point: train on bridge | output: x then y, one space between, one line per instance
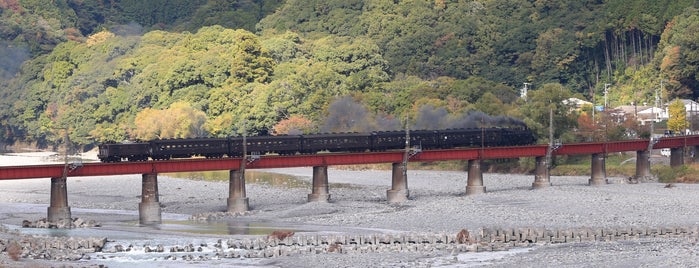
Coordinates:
164 149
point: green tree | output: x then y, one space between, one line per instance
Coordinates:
490 105
678 57
550 97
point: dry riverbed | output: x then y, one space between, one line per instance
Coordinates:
358 208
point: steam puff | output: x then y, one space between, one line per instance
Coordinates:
347 115
11 58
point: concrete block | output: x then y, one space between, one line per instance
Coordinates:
370 240
653 231
484 248
587 238
530 239
354 239
668 230
564 233
558 239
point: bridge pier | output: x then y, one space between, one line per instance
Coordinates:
474 183
676 156
399 185
542 178
59 210
237 201
320 192
695 154
149 208
598 170
643 165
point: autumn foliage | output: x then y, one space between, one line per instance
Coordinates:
296 124
178 121
11 5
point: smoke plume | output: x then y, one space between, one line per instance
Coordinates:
130 29
11 58
347 115
429 117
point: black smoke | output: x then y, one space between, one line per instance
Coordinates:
429 117
347 115
386 122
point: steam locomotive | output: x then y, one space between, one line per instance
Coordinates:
164 149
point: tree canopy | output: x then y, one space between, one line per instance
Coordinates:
110 70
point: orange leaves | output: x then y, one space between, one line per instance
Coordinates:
98 38
671 58
296 124
11 5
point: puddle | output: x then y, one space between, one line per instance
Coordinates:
123 224
475 259
218 228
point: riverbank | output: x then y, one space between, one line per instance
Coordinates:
358 207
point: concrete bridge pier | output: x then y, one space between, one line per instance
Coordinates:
695 154
149 208
399 185
643 165
237 201
542 177
474 183
598 170
59 210
320 192
676 157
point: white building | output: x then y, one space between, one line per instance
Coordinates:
651 114
578 103
645 114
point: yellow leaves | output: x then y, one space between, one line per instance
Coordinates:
178 121
221 125
440 4
678 116
98 38
147 124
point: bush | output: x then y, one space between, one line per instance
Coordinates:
684 173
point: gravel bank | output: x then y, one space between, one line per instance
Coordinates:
437 205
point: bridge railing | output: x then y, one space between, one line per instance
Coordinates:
330 159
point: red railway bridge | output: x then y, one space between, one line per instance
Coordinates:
149 208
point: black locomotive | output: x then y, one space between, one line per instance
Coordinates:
164 149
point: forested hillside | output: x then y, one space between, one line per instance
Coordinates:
111 70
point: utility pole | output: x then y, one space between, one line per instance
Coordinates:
406 155
244 160
523 91
549 150
66 142
606 90
662 88
657 101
